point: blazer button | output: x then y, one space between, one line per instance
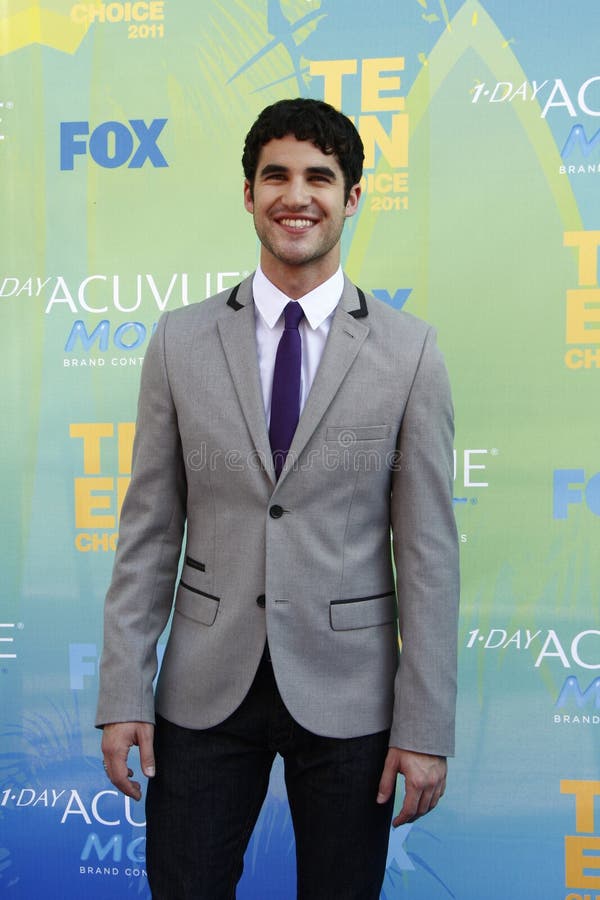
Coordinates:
260 601
276 511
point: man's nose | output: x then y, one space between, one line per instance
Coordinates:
296 194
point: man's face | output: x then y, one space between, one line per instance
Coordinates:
298 206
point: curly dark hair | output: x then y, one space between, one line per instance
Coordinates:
308 120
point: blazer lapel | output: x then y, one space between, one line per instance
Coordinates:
347 333
238 336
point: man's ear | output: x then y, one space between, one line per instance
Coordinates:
352 201
248 199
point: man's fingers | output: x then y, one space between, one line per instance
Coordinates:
418 802
424 782
117 740
120 775
409 808
415 805
129 788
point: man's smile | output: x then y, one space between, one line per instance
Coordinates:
296 224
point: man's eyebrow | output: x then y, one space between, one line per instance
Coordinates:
276 168
321 170
271 168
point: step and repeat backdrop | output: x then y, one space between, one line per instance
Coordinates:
121 127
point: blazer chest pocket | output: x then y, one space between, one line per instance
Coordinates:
192 599
363 612
347 435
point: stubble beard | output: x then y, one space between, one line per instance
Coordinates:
292 255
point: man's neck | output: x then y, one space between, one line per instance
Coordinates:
297 281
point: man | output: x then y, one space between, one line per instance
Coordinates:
285 627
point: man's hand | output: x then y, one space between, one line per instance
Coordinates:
424 782
117 739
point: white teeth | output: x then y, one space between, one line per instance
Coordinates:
296 223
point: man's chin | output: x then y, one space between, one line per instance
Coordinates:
295 257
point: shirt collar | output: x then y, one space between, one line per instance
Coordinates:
318 304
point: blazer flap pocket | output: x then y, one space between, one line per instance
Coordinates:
194 575
347 435
195 604
363 612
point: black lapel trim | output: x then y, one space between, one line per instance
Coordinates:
232 302
362 310
359 313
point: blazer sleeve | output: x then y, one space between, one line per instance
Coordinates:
427 566
140 596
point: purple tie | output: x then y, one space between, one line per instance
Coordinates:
285 398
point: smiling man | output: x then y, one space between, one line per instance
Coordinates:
287 615
299 201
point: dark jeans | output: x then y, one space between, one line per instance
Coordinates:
210 785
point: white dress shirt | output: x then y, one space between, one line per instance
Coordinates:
318 305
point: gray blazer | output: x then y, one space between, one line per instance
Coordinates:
306 561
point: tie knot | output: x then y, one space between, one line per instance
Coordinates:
293 313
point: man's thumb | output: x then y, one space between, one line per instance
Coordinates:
147 756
